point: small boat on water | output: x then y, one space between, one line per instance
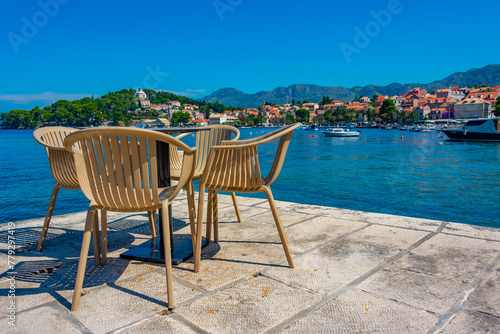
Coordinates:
340 132
420 129
312 127
485 129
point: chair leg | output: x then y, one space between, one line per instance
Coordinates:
209 215
45 227
199 228
192 211
167 253
104 237
194 203
235 203
97 247
152 223
279 225
215 215
84 252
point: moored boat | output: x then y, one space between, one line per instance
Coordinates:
312 127
485 129
340 132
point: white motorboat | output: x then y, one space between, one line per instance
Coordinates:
484 129
340 132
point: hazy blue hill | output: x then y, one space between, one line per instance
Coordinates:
488 75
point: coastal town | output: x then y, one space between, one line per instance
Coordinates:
458 103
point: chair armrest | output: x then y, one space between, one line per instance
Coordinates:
182 135
49 146
187 171
266 138
53 137
239 142
233 167
240 157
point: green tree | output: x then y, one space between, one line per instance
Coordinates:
413 116
388 110
180 117
326 100
149 93
302 115
497 108
329 116
133 106
14 119
289 118
242 117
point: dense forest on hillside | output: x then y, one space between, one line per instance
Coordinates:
114 106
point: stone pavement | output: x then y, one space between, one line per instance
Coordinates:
355 272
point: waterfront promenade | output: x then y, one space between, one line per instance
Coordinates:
355 272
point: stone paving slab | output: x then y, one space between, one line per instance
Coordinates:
109 308
158 324
389 236
457 258
45 319
287 217
469 322
486 298
354 272
426 292
252 306
473 231
221 267
357 312
237 232
398 221
333 266
311 233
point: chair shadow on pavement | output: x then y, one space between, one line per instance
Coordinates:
53 270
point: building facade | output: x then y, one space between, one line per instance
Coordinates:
473 108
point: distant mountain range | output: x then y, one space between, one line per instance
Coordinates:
488 75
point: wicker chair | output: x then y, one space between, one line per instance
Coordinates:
233 166
63 170
62 167
204 141
117 171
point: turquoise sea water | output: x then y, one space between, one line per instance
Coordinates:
421 176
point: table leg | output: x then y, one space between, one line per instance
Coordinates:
181 245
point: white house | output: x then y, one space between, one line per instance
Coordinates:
145 103
174 104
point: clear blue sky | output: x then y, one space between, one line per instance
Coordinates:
195 47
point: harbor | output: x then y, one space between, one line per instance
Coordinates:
422 176
354 271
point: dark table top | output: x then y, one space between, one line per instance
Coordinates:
170 131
